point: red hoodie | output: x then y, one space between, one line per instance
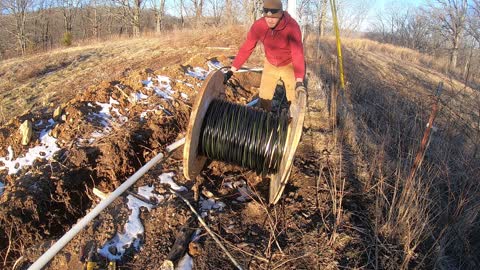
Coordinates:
283 44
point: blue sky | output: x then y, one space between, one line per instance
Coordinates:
379 4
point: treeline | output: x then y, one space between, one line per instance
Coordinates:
32 25
441 28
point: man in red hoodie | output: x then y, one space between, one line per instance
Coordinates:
282 41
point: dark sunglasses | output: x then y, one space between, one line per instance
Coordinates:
271 10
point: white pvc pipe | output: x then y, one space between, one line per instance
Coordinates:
53 250
175 145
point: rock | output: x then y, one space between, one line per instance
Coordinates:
26 131
64 118
57 113
54 133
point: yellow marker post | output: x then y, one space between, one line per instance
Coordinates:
333 5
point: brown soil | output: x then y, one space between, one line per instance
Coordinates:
326 218
42 202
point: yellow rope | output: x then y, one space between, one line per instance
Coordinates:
333 5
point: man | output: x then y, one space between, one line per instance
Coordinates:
282 41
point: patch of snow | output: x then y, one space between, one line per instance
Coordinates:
137 97
184 96
162 87
197 72
46 149
2 187
214 65
132 230
209 204
51 122
167 178
185 263
242 188
185 83
147 192
148 83
144 114
104 116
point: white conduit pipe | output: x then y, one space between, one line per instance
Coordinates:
53 250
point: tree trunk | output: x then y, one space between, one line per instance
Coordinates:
159 13
136 18
229 11
95 27
323 15
454 54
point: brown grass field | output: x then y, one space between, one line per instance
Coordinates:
351 203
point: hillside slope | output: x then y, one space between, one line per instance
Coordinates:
348 203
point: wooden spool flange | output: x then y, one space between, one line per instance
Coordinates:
213 88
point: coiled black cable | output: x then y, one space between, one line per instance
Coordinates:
244 136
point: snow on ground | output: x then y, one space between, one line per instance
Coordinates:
185 263
161 85
167 178
104 117
242 188
133 229
197 72
45 150
200 73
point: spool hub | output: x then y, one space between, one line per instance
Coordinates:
213 88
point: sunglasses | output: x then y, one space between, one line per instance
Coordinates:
271 10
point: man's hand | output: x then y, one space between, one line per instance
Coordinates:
227 76
300 87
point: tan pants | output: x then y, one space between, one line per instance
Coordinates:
271 74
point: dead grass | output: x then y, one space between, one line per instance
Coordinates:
430 221
49 79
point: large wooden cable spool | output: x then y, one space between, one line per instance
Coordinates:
213 88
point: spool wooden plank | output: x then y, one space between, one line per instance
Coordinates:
279 180
212 88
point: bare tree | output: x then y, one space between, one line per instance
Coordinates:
322 16
132 9
92 14
19 9
451 18
180 5
198 9
229 12
69 9
352 14
217 10
159 14
474 20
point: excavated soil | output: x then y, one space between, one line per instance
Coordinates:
109 131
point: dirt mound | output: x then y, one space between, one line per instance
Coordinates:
103 135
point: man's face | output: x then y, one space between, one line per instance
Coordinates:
272 22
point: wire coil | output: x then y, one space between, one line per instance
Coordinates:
244 136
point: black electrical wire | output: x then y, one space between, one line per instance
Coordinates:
248 137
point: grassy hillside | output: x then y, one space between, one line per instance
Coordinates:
52 78
430 220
